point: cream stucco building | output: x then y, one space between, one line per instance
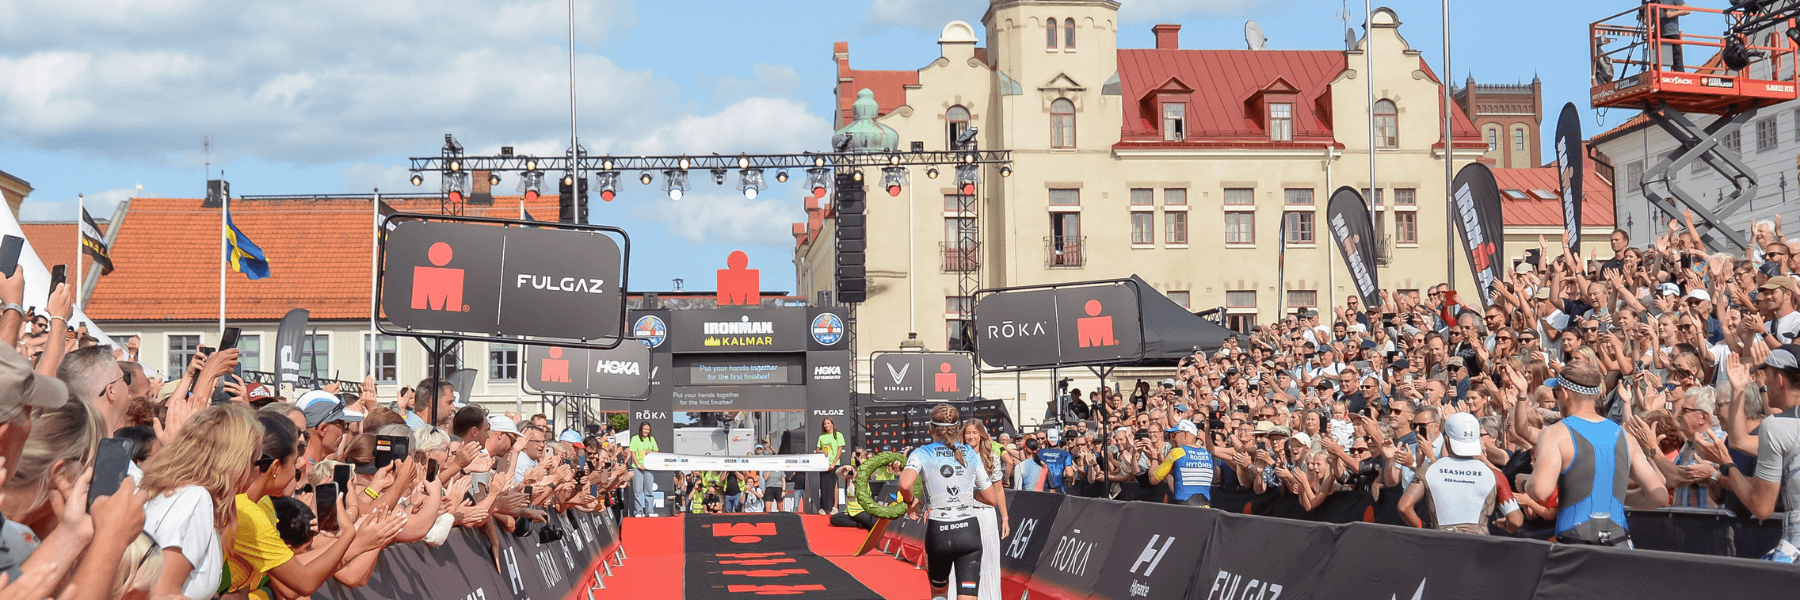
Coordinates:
1179 166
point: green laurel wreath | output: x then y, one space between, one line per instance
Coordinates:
865 498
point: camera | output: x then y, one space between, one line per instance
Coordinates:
1063 384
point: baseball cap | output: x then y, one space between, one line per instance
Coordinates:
1782 282
1053 434
1699 294
1668 289
1281 430
1785 358
1464 432
1184 426
1368 345
21 387
1455 361
1402 364
1263 428
1181 408
574 439
1302 438
1543 293
321 407
1524 267
502 424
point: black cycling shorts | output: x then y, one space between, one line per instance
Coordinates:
958 544
772 494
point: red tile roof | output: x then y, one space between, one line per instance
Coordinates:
54 243
1629 125
1224 84
167 258
1597 198
889 86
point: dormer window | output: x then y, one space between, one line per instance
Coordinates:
1174 121
1281 122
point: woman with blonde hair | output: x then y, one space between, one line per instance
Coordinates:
975 435
191 484
953 486
56 459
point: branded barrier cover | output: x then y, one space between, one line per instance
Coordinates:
897 426
464 566
1073 547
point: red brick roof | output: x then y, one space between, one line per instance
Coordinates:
54 243
167 258
889 86
1596 207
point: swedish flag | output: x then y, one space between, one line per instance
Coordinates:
246 256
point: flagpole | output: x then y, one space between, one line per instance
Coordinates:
374 259
224 250
80 211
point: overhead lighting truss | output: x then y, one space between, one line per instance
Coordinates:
657 164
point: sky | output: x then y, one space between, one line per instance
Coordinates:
98 97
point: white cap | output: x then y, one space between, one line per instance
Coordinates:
1700 294
1463 431
502 424
1186 426
1303 439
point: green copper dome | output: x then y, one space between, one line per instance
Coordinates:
863 133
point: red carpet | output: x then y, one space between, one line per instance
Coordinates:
656 563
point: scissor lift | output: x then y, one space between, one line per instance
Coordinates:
1639 65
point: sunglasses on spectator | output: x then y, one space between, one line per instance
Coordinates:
1360 450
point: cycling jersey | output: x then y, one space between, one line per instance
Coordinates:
1193 471
1593 485
1055 459
950 486
1463 491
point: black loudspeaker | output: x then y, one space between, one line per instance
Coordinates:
848 205
571 201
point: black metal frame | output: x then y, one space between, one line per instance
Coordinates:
807 160
624 279
974 388
274 379
1695 143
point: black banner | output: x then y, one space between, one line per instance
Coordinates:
1348 217
776 329
464 566
622 373
896 427
1570 155
490 282
1155 552
1030 516
1077 325
287 346
1264 557
1572 572
1384 561
1478 220
920 376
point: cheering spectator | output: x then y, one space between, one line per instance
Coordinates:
192 485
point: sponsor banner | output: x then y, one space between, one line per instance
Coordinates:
622 373
921 376
287 346
896 427
664 461
1347 215
485 280
1030 516
1076 548
1092 324
741 369
463 567
826 329
1264 557
775 329
738 397
1478 221
1384 561
1570 155
1154 552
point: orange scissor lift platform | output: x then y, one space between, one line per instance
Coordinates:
1634 61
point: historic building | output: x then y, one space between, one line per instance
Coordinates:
1509 117
1181 166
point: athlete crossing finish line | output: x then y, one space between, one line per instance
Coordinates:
952 487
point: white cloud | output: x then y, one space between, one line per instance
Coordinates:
101 205
362 177
750 125
933 14
727 218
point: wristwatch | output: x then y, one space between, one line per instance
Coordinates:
13 306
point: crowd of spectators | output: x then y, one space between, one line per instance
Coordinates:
1666 357
204 491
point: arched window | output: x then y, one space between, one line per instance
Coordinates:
1068 33
958 118
1050 31
1387 125
1062 123
1518 140
1493 139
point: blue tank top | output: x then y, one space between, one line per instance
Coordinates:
1193 472
1594 484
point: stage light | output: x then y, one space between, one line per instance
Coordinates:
418 180
856 175
455 166
750 182
931 173
891 178
675 183
530 182
743 162
1006 171
969 159
683 163
568 178
531 163
893 160
645 178
818 180
1735 55
818 161
718 176
781 176
608 183
606 165
456 185
966 176
493 179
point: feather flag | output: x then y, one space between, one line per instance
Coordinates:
246 256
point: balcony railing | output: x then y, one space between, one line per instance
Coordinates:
960 257
1065 251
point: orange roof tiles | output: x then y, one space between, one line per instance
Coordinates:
1596 192
889 86
167 257
54 243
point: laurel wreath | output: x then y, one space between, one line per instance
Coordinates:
865 498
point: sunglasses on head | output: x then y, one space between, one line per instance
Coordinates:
264 462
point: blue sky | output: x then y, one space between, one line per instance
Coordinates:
329 96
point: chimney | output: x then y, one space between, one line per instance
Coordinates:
1168 36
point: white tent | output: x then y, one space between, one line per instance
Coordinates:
37 277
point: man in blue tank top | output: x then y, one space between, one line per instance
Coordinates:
1586 461
1191 465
